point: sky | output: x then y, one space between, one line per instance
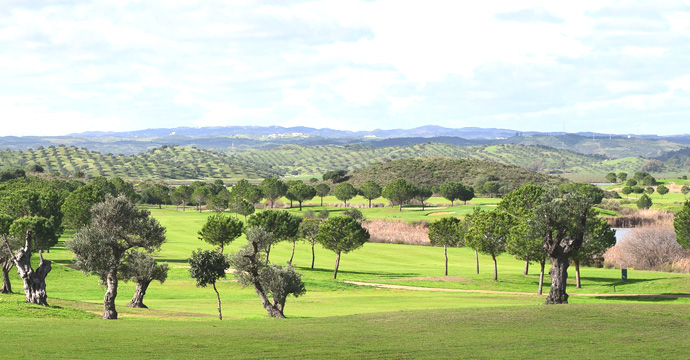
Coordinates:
115 65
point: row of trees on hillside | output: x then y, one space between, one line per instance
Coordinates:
243 196
534 225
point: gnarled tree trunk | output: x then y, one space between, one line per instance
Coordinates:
109 312
559 276
138 298
495 267
6 284
526 268
272 310
313 256
34 281
445 254
578 284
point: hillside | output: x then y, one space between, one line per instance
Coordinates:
436 171
315 160
167 162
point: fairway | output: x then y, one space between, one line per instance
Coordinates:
363 321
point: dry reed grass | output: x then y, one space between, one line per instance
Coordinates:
643 219
648 249
397 232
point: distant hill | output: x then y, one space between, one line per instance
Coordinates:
436 171
167 162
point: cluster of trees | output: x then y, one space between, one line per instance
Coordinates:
272 283
35 211
534 225
243 196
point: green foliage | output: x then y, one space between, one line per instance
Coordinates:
335 176
207 267
281 224
631 182
594 193
611 177
649 190
42 229
488 232
399 192
273 189
644 202
681 224
622 176
301 192
345 191
342 234
446 231
662 190
354 214
451 191
117 226
599 237
430 172
627 190
322 190
370 190
244 208
141 267
220 230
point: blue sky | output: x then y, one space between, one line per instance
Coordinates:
606 66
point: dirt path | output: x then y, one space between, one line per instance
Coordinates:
420 288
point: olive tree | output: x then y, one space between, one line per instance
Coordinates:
117 227
142 268
34 280
447 231
562 225
341 235
206 267
6 261
220 230
268 280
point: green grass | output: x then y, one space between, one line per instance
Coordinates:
337 319
629 330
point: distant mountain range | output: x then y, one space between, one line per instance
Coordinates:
422 131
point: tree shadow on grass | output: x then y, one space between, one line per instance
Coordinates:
608 281
380 274
642 298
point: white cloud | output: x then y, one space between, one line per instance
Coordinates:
111 65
